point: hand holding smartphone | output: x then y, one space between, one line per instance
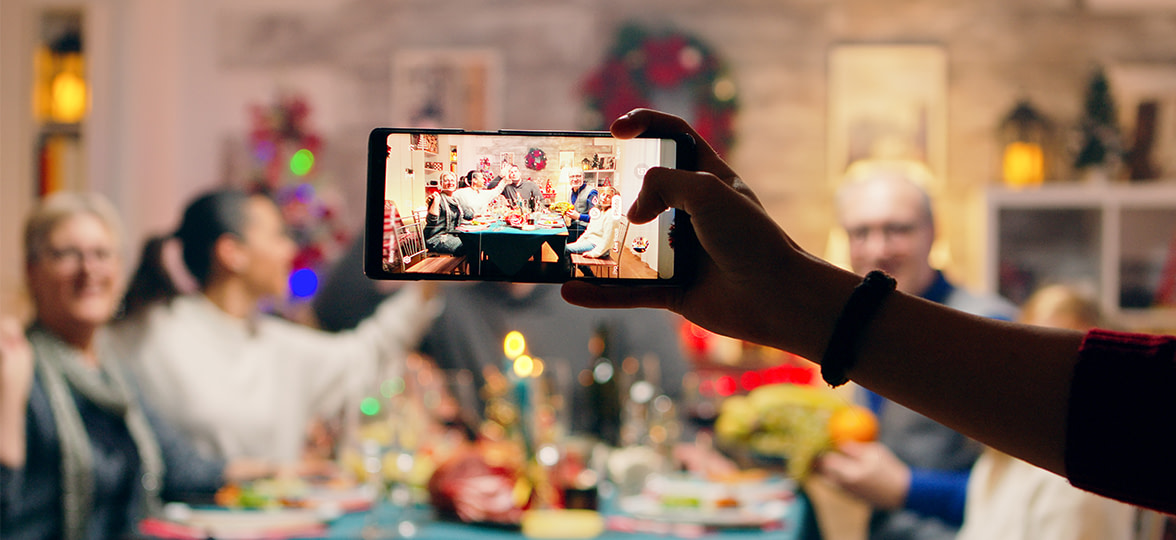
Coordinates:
523 206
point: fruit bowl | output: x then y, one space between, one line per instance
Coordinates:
795 423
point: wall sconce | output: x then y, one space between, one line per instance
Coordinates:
60 95
1024 142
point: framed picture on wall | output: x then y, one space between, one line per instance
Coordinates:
447 88
888 102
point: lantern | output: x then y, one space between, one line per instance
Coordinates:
60 94
60 100
1024 138
586 164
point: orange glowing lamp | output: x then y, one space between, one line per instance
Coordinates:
1025 137
1023 164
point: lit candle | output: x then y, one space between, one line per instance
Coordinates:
519 367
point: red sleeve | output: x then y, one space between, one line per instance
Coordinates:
1121 428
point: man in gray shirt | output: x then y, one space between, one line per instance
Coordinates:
522 194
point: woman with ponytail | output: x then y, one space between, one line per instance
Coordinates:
237 381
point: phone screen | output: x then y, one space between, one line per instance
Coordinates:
515 206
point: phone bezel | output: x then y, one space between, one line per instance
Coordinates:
682 239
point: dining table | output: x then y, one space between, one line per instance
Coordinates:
795 520
798 523
508 248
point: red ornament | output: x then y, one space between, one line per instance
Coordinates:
621 90
663 58
696 338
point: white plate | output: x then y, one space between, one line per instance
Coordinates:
760 502
646 507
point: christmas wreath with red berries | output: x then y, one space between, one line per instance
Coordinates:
536 159
642 63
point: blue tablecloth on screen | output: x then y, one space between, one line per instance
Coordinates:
509 248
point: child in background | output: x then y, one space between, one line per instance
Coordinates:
1013 500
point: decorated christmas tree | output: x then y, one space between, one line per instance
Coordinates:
283 148
1100 140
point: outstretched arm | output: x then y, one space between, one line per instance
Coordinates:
1004 384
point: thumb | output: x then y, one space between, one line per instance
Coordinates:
604 296
829 463
665 188
852 449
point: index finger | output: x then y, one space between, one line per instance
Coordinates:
657 123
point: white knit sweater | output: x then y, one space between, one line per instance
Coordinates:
248 388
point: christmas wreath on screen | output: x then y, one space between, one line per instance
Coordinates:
643 63
536 159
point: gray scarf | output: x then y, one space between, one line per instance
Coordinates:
61 370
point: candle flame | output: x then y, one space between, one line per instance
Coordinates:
514 344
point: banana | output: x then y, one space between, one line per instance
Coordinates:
781 420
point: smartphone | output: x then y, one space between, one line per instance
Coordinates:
521 206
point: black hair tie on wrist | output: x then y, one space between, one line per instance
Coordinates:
845 342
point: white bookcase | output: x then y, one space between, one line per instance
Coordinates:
1114 239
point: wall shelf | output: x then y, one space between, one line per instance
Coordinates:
1113 239
596 178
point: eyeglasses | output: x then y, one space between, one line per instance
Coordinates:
890 231
73 257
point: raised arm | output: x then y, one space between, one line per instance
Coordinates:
16 379
338 366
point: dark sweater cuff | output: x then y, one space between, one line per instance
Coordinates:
1121 428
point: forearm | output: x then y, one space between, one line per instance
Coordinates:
13 414
245 469
1003 384
401 320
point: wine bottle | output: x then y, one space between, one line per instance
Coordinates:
604 391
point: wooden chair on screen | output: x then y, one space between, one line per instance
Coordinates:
404 246
611 266
417 257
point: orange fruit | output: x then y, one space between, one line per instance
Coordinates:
853 423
